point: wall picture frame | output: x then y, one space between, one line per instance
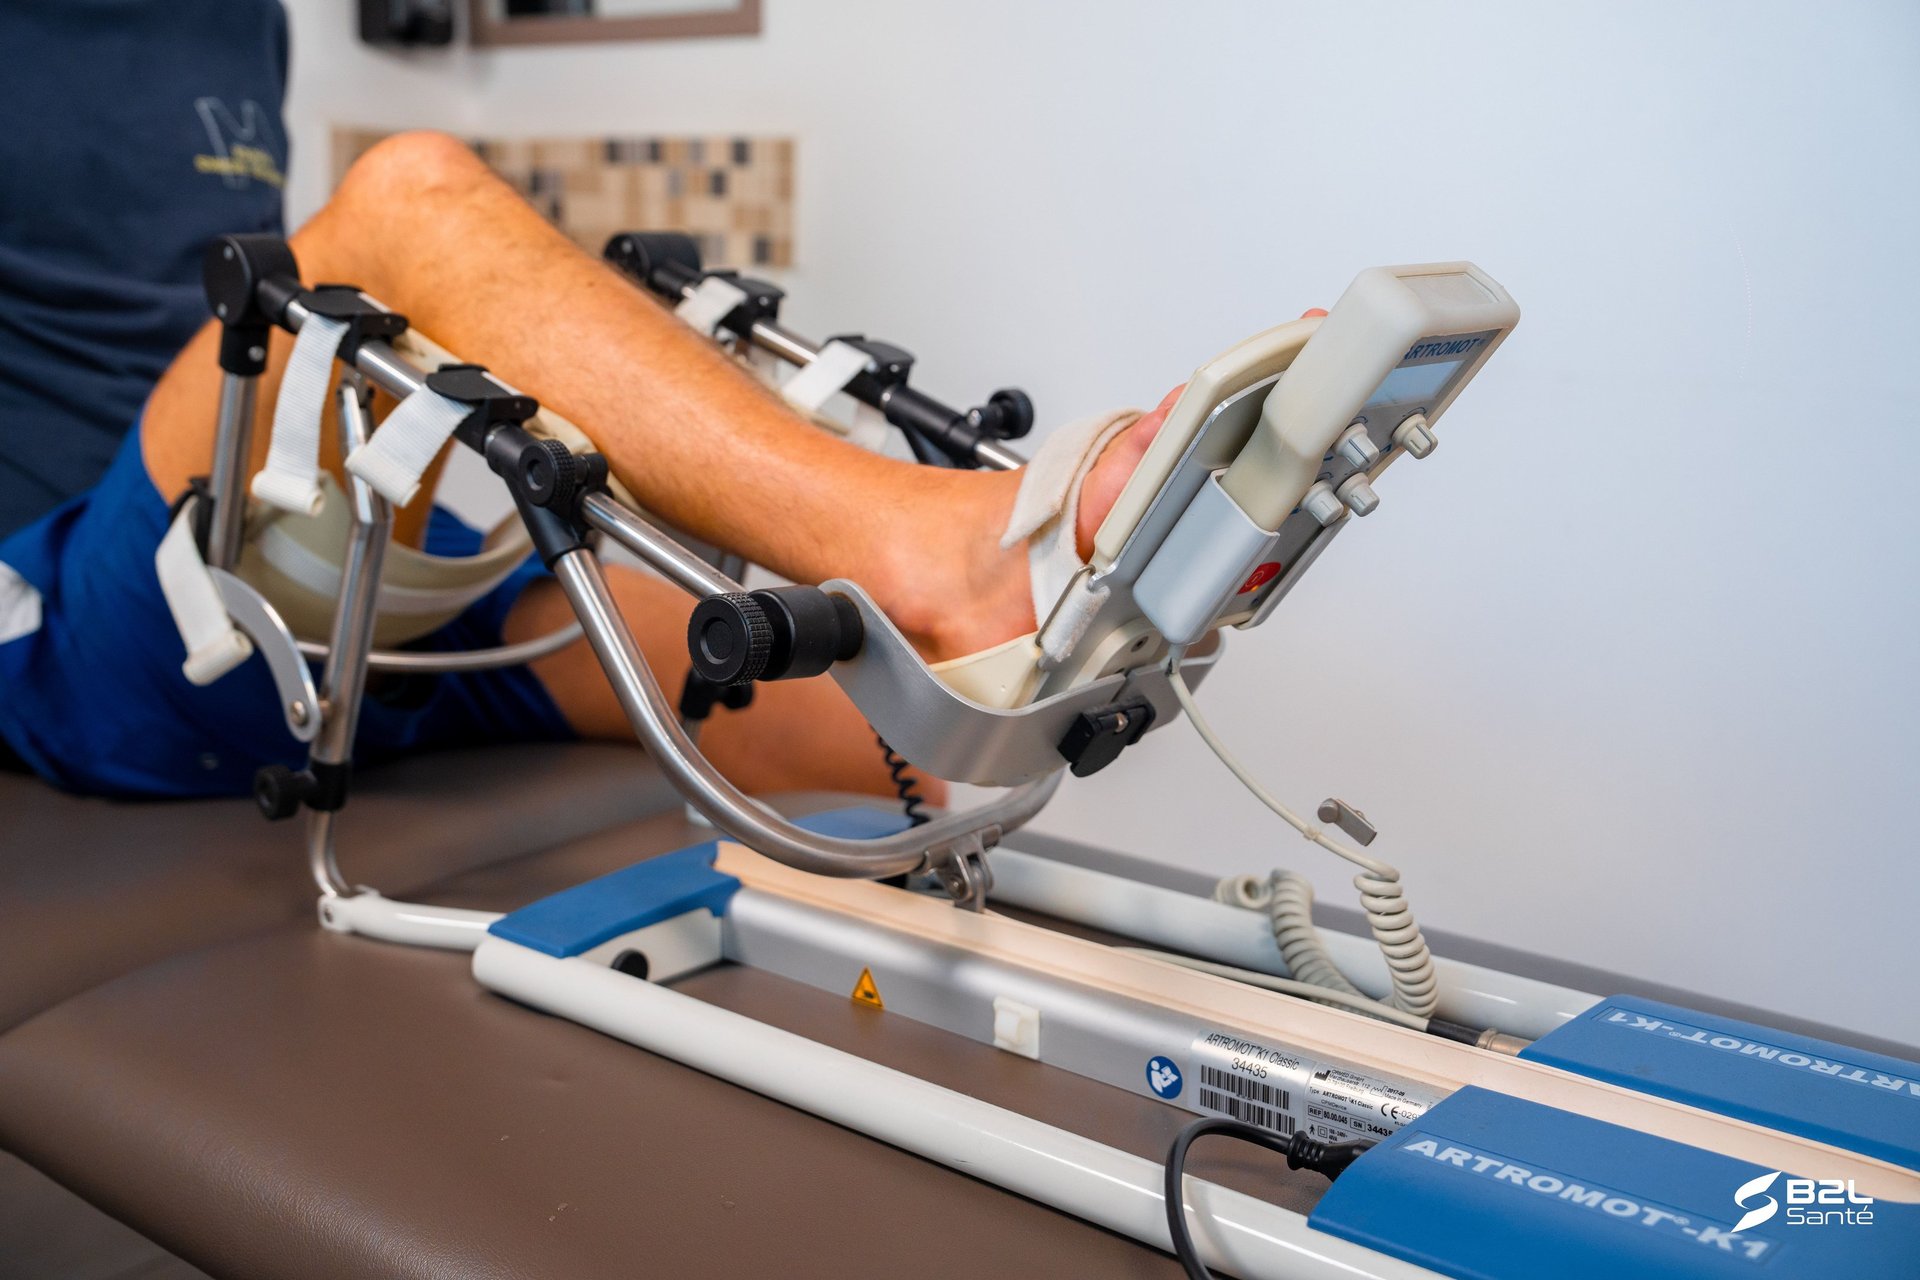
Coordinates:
505 23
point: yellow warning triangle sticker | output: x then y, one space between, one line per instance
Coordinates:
864 992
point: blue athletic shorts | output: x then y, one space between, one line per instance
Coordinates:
93 698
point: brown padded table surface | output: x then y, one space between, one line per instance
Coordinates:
92 888
297 1104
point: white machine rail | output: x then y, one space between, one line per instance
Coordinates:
1472 1123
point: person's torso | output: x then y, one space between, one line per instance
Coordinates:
135 131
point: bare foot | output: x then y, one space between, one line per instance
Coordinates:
983 597
955 590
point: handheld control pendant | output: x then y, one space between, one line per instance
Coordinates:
1271 446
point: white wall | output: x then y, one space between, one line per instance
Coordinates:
1626 672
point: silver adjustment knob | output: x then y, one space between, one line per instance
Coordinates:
1357 447
1323 504
1415 436
1358 494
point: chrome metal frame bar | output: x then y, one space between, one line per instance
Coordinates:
937 844
233 446
344 682
953 846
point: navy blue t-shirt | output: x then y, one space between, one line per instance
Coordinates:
132 132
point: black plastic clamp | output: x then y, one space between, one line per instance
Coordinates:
780 633
1096 738
699 696
249 280
929 425
664 261
891 367
762 302
492 404
548 482
366 320
668 263
282 792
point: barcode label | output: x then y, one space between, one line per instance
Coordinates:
1241 1098
1277 1087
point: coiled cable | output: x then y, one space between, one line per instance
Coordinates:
1288 897
905 785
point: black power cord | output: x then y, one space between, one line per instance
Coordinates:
1301 1150
904 784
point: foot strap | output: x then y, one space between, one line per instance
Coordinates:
1045 515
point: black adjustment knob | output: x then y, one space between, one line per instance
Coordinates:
812 630
280 791
730 638
1007 415
550 473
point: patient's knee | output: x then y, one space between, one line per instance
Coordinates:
411 164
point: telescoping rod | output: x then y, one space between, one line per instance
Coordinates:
233 447
904 406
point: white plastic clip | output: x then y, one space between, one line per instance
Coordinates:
1016 1027
214 645
825 376
407 443
711 301
19 605
291 478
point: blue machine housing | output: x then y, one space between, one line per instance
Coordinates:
1487 1187
579 919
1864 1102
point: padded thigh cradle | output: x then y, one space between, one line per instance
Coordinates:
94 699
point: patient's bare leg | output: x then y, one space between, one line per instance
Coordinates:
421 224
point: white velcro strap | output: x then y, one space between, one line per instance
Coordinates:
407 443
214 645
291 478
1048 507
711 301
825 376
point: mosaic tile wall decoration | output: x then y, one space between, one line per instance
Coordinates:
735 195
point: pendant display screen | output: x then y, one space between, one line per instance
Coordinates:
1415 383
